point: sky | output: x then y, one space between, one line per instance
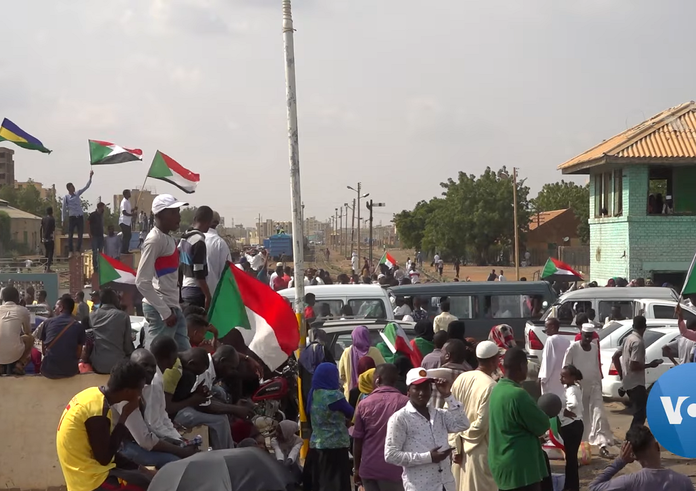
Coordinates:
399 95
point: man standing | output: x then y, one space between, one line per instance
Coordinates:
96 233
193 260
16 340
514 454
48 228
157 278
473 389
417 435
442 321
370 432
552 359
454 360
125 220
112 243
73 214
502 277
434 358
492 276
629 361
218 254
584 356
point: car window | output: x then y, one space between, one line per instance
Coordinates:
649 337
326 308
368 308
605 307
667 312
506 307
608 329
461 306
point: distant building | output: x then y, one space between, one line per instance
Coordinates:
24 227
549 230
7 167
642 199
44 193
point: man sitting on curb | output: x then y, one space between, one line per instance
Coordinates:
16 340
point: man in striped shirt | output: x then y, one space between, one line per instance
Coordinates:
73 214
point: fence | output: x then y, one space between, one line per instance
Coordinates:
577 258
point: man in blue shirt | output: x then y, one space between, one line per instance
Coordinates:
73 214
62 341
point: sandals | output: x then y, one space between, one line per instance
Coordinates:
604 452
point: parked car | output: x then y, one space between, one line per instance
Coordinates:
366 301
611 336
652 302
655 339
484 304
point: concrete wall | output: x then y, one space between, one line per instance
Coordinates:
31 407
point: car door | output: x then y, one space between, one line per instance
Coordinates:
654 342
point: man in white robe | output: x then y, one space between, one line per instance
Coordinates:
473 389
552 359
584 356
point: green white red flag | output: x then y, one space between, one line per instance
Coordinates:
114 271
558 269
167 169
397 341
266 321
106 153
388 259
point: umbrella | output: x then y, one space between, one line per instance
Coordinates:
555 270
237 469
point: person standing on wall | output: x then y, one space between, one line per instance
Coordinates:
125 220
73 214
48 228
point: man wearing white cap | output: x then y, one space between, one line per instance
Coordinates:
417 435
555 349
157 277
473 390
584 356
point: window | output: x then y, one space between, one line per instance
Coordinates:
325 308
598 195
660 191
368 309
461 306
649 337
602 194
609 329
606 190
618 192
505 307
605 309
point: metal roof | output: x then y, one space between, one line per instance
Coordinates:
15 212
667 137
539 219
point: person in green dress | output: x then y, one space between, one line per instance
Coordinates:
515 455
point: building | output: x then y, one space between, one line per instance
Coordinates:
549 230
24 227
44 193
642 200
143 198
7 167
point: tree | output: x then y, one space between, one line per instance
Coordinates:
562 195
187 214
411 224
5 231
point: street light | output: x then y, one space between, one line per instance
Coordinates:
370 206
358 206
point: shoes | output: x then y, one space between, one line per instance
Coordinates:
622 392
604 452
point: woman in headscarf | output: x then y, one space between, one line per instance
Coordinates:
328 411
504 337
422 344
348 365
364 364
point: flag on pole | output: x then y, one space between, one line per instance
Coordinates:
689 287
105 153
167 169
12 133
388 259
112 270
397 341
555 270
266 321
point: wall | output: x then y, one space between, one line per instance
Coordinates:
32 227
31 407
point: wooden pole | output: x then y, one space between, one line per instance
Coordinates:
517 233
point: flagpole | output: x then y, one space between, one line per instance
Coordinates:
295 192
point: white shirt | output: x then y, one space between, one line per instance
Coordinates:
402 310
291 283
411 437
572 401
552 363
135 423
354 263
156 416
501 278
256 261
125 206
436 258
15 320
585 361
218 255
415 276
272 278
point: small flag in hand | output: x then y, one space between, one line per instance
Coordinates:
105 153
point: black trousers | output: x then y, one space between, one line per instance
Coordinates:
639 400
75 223
572 437
330 470
125 243
49 245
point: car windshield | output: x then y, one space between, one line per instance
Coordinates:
609 329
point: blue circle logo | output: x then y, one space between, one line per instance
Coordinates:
672 410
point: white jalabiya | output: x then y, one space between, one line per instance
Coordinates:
597 429
552 363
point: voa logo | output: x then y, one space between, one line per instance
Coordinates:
672 410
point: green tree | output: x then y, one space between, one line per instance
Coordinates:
411 224
187 214
5 233
562 195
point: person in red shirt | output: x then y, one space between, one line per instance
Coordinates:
309 313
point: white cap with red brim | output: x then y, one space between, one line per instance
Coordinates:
417 376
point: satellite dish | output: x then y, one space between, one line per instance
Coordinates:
566 239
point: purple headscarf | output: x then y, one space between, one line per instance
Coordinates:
361 345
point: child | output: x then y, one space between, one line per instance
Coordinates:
286 446
198 327
572 426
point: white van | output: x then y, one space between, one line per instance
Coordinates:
365 301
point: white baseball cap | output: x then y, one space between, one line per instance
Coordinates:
417 376
486 350
166 201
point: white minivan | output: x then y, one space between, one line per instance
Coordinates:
362 301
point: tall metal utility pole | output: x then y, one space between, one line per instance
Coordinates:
517 233
294 159
358 205
345 233
370 206
352 231
335 232
340 231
